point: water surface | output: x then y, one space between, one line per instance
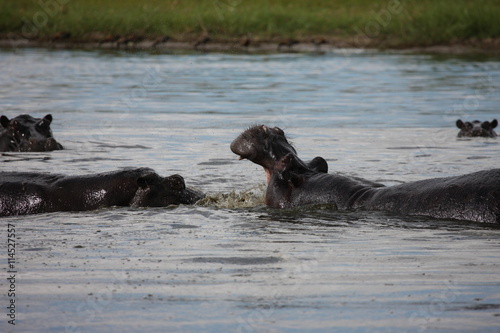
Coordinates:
232 264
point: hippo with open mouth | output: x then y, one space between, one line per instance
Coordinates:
31 193
293 183
25 133
477 128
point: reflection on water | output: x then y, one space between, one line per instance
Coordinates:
230 263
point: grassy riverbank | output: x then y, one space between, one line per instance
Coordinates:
359 23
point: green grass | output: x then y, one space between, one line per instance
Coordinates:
406 23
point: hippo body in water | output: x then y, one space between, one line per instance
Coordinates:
477 128
291 183
31 193
27 134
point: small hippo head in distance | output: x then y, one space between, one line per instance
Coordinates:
477 128
26 133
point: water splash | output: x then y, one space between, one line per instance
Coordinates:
245 199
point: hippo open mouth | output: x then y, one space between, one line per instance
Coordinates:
266 146
262 145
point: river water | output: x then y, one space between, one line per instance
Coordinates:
229 264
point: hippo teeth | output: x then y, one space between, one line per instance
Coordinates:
241 158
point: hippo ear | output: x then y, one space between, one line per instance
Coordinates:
175 182
4 121
460 124
319 164
48 118
494 123
45 122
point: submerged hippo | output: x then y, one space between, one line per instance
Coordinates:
27 134
292 183
477 128
31 193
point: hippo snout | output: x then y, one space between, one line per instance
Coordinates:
183 194
191 196
156 191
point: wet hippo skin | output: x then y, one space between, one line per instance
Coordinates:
25 133
292 183
477 128
31 193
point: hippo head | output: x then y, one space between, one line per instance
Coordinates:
26 127
477 128
266 146
263 146
156 191
29 133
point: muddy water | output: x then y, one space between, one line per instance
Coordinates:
229 264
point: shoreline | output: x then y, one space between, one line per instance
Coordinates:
489 48
255 27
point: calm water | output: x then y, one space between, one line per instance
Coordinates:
230 264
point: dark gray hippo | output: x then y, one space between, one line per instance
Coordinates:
292 183
25 133
31 193
477 128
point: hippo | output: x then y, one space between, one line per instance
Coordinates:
293 183
477 128
31 193
25 133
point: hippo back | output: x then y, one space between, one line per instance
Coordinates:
471 197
